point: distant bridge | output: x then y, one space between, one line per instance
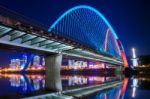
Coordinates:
82 32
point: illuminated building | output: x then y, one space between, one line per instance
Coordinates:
15 63
43 61
24 60
134 58
36 61
18 63
77 64
72 64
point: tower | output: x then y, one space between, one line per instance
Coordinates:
134 58
24 59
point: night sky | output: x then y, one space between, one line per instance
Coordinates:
129 18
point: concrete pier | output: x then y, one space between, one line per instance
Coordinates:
53 78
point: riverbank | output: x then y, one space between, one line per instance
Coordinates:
145 71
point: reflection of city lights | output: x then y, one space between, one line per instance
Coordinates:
133 92
81 80
134 85
35 82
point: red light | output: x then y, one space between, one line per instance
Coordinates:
123 56
106 39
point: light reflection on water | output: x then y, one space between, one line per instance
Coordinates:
22 83
69 81
132 88
113 93
116 92
138 87
18 83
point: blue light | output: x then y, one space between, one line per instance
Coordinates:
24 66
87 26
82 7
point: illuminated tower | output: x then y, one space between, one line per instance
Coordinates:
36 60
43 61
24 59
134 58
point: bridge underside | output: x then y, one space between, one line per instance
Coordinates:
17 35
22 35
34 41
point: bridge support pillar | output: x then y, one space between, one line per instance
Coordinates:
53 77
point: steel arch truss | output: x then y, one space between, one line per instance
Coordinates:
87 26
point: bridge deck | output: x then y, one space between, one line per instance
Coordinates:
18 34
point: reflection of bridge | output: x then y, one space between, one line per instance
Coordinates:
81 32
78 87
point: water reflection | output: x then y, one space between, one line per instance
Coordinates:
134 86
74 81
138 87
22 83
131 88
112 93
116 92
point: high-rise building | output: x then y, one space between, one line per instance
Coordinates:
15 63
134 58
43 61
24 59
36 60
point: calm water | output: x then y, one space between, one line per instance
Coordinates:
132 88
25 85
138 88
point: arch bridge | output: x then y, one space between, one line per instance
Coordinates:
81 31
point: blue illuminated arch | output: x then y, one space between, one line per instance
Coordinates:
86 7
91 27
